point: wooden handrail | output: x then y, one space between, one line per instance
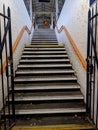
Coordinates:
25 28
73 44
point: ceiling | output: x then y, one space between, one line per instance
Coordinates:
43 6
43 10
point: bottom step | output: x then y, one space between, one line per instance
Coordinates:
53 122
57 127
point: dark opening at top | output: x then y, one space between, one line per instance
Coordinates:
44 0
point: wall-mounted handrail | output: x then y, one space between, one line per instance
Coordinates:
25 28
72 43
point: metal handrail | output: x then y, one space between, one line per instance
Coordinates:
4 16
92 66
25 28
6 46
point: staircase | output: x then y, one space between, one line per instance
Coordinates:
47 92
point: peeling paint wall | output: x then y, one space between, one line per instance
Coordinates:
74 16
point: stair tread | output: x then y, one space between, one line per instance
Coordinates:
43 49
44 78
57 125
51 108
45 52
50 94
46 65
44 60
46 46
44 37
44 56
45 98
47 87
52 104
45 41
50 111
44 71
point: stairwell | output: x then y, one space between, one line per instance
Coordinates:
47 92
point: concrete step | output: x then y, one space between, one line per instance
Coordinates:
46 46
49 111
44 31
44 34
46 42
49 93
44 72
43 56
51 108
46 38
42 39
45 61
44 66
51 34
43 43
47 98
49 86
44 79
43 49
45 52
72 125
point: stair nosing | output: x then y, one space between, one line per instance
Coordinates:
46 56
42 66
48 87
37 49
50 111
43 52
43 79
45 72
48 98
45 60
